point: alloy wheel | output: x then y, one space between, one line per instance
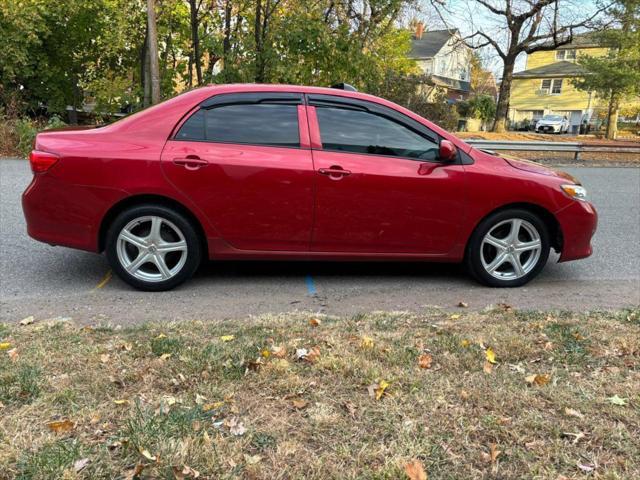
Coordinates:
151 249
511 249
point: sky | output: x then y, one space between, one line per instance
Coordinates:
469 16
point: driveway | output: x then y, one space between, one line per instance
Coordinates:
37 279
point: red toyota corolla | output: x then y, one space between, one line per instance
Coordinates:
289 172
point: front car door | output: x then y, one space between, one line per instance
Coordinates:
244 160
380 185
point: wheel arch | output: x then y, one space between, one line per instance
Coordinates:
552 224
143 199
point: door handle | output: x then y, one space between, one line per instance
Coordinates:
334 171
191 162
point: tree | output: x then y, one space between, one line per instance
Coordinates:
152 46
615 76
528 26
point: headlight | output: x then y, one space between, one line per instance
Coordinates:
577 192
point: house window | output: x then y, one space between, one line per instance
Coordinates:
566 55
552 86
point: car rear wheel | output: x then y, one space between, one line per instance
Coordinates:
508 248
153 247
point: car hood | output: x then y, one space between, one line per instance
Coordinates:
549 122
534 167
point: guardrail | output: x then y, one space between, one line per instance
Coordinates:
576 148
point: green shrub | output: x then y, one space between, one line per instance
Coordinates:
27 129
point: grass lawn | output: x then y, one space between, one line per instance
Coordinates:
500 394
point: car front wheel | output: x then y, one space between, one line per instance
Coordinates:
153 247
508 248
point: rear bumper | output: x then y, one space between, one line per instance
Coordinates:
59 213
578 222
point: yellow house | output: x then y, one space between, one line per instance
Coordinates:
544 87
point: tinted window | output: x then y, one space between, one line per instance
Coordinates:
364 132
258 124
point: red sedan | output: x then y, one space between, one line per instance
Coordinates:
289 172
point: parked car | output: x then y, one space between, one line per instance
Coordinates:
553 124
291 172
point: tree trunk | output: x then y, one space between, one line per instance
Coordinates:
146 82
154 67
226 43
144 70
195 40
502 109
612 116
259 76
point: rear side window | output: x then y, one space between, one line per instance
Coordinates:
255 124
364 132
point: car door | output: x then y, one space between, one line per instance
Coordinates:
244 160
380 187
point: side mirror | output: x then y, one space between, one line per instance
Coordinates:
448 151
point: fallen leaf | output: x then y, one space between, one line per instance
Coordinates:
126 346
105 358
301 353
314 322
211 406
227 338
79 465
161 336
586 467
465 343
146 454
455 316
27 321
493 454
13 354
366 342
490 355
165 356
121 402
200 400
299 403
134 472
464 395
504 306
61 426
538 379
377 390
252 459
312 355
278 351
570 412
235 426
616 400
487 367
350 408
5 346
265 353
576 436
415 470
185 472
425 360
463 304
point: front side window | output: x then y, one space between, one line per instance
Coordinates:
358 131
255 124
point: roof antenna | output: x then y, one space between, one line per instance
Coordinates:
345 86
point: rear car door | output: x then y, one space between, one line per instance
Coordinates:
380 185
244 160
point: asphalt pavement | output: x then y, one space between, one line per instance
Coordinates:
44 281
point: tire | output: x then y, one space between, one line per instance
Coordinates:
169 241
492 260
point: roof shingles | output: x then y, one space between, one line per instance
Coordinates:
430 43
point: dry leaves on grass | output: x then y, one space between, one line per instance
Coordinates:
299 403
425 360
13 354
315 322
616 400
79 465
27 321
61 426
5 346
235 426
227 338
538 379
378 390
310 356
180 473
415 470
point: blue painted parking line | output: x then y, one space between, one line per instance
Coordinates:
311 287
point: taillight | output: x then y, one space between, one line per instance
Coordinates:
42 161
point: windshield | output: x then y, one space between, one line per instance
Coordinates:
552 118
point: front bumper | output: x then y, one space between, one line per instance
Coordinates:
578 222
548 128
